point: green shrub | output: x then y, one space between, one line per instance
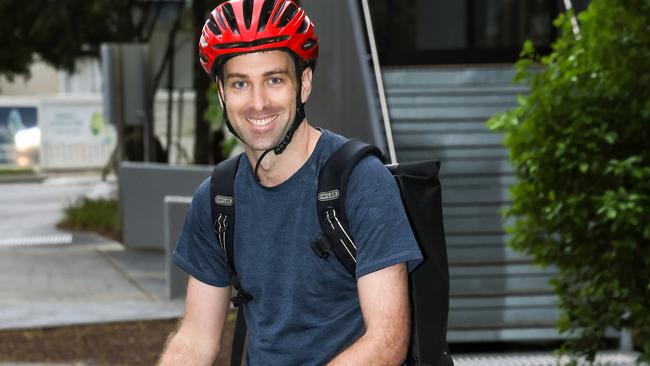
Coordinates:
14 171
579 147
214 116
97 215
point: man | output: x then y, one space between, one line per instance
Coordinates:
304 310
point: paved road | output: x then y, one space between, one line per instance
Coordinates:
54 278
30 211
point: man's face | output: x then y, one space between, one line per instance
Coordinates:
259 90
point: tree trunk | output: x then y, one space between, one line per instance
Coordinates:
202 143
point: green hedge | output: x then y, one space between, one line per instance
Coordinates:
579 145
97 215
15 171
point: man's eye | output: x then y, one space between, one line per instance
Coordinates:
275 81
239 84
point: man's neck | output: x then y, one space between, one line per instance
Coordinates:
275 169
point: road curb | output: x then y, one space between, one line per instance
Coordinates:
53 315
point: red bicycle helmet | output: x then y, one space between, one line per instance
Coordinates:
243 26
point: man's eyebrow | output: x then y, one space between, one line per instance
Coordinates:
268 73
276 71
236 75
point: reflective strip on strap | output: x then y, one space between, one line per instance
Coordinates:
344 232
347 249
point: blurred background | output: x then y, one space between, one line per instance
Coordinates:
108 124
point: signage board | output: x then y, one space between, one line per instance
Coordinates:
17 119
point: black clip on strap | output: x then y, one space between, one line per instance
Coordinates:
242 296
321 246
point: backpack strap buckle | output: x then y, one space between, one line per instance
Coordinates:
241 298
321 246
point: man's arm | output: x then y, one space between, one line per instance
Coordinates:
384 300
198 339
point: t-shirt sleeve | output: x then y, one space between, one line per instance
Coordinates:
378 221
197 250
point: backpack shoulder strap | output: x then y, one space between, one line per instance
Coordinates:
330 203
222 201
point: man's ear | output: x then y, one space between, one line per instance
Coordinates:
305 92
220 93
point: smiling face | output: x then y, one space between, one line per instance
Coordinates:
259 91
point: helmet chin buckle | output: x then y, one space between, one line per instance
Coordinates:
283 144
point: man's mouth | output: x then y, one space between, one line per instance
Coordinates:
262 121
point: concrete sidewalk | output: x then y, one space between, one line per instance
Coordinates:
87 282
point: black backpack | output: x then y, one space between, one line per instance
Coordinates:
421 195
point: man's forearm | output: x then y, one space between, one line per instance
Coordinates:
374 350
198 339
383 296
181 350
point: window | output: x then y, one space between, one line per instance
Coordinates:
416 32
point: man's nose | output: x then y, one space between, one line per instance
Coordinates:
259 98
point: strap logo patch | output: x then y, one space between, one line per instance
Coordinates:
223 200
329 195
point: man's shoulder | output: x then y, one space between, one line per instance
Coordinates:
203 190
368 168
370 172
201 198
331 140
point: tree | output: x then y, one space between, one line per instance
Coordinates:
579 147
202 146
60 32
212 147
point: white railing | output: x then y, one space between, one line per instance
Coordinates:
380 83
574 21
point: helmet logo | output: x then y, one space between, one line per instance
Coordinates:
223 200
329 195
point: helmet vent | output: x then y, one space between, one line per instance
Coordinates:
289 11
248 13
267 9
277 13
230 17
212 25
203 57
220 21
309 44
304 26
257 42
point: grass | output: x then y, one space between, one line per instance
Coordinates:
15 170
96 215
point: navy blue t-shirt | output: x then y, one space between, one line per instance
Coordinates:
305 310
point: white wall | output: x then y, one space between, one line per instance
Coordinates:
43 81
86 79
